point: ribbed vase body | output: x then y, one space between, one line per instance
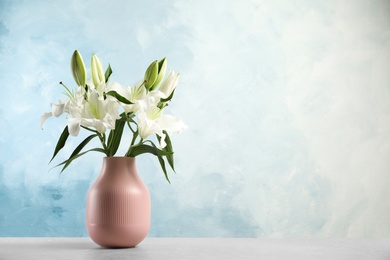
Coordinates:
118 205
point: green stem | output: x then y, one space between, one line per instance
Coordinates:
129 125
102 138
135 135
130 120
89 129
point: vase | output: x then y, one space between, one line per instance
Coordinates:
118 205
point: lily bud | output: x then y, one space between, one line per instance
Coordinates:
98 76
169 84
162 67
151 75
78 69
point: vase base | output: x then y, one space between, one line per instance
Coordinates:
108 236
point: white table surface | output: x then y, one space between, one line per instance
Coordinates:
197 248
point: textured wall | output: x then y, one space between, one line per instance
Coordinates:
287 103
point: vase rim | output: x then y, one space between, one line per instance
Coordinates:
119 157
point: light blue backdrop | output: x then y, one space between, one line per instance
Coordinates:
287 103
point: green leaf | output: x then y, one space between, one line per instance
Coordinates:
161 159
137 150
108 73
162 163
119 97
115 136
79 155
61 142
168 98
123 116
75 153
168 148
143 148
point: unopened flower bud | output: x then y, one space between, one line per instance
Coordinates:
151 75
78 69
169 84
162 67
98 76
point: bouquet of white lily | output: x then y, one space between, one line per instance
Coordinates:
95 106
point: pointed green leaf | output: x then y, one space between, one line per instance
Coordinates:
168 148
119 97
61 142
67 162
115 136
160 155
111 135
162 163
77 150
108 73
143 148
168 98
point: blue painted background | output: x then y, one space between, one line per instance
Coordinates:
287 103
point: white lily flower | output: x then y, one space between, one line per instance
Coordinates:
151 120
76 105
147 124
100 88
92 111
134 94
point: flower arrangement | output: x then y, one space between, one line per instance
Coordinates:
100 106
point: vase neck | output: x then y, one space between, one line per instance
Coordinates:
118 165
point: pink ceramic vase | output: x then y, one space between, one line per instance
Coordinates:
118 205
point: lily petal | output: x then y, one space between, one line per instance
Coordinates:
162 141
57 110
147 126
44 117
171 124
74 126
170 83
